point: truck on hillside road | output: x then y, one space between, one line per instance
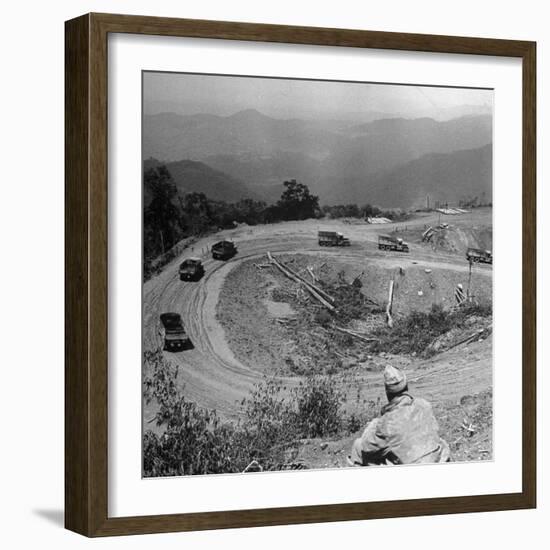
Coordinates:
386 242
172 332
479 255
332 238
223 250
191 269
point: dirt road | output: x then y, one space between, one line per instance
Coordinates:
212 376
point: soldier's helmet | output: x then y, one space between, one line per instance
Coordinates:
394 380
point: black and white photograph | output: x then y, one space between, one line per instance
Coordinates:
317 274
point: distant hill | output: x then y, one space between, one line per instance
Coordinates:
445 177
170 137
384 144
191 176
251 153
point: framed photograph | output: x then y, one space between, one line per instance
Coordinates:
300 275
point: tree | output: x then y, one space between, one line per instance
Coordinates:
296 202
369 211
163 225
198 212
250 211
343 211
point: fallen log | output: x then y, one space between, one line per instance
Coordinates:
313 276
477 334
320 291
293 277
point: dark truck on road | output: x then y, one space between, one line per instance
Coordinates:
332 238
386 242
173 332
479 255
223 250
191 269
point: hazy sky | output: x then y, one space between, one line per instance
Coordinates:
283 98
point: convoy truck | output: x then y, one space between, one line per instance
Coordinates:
479 255
191 269
173 332
332 238
223 250
386 242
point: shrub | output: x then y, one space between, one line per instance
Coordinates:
354 424
358 420
418 330
318 405
352 303
194 440
197 441
269 421
469 309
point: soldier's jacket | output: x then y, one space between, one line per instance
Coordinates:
406 432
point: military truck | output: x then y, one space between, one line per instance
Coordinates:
479 255
173 332
332 238
387 242
191 269
223 250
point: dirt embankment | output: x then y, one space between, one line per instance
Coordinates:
248 315
273 326
452 234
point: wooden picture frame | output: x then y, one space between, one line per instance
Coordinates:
86 282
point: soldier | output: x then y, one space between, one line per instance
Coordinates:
406 432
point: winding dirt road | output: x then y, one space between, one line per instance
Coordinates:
212 376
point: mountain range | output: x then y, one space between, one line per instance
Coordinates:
391 162
196 177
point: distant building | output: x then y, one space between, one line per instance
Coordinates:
378 220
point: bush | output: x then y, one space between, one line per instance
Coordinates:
469 309
318 405
196 441
418 330
352 303
312 409
269 422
